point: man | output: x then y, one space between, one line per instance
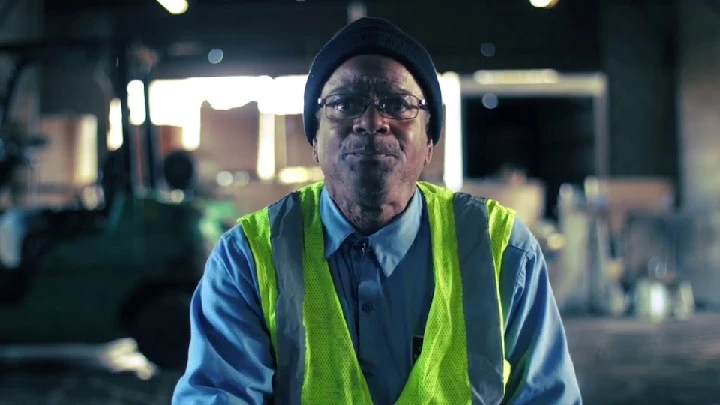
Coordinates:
373 287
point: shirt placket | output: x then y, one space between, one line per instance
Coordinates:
368 293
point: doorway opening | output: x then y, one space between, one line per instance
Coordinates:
551 139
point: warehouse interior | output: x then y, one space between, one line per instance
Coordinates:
133 135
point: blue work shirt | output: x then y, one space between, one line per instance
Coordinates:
385 284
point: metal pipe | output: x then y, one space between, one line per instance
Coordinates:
121 85
10 88
151 152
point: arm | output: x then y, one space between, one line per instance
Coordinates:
535 343
230 357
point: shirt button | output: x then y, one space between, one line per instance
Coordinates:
367 307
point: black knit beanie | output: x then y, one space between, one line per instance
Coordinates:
373 36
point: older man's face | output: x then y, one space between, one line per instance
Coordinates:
378 149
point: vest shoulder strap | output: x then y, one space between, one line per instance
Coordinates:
500 221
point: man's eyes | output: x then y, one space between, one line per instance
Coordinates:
347 103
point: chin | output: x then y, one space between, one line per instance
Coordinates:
371 196
376 179
373 168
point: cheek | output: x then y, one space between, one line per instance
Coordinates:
330 136
413 136
419 154
326 146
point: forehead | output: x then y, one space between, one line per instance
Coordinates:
372 72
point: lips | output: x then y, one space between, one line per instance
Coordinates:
370 157
365 153
369 153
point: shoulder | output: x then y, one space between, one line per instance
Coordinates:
257 222
522 263
232 254
470 202
258 215
233 240
523 240
521 237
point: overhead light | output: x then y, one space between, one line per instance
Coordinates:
490 101
542 76
543 3
215 56
174 6
356 10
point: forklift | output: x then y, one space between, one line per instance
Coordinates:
124 268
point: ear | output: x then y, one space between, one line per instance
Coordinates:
430 149
430 144
315 150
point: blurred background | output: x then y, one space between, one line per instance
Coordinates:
597 120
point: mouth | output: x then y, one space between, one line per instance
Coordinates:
369 154
370 157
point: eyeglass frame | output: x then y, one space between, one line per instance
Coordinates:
422 105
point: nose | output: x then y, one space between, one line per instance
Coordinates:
371 122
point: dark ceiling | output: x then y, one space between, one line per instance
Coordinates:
282 35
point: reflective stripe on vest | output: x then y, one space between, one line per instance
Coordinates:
462 359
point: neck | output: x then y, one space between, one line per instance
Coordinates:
368 214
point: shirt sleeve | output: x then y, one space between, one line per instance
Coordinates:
535 342
230 359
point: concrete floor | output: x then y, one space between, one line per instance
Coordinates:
622 362
618 362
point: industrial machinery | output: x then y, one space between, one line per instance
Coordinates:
624 253
92 273
15 153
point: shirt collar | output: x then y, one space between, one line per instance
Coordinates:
389 244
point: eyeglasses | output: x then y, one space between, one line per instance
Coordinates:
394 106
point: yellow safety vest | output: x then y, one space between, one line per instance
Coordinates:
462 359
